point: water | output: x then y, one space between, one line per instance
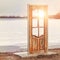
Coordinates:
54 32
14 32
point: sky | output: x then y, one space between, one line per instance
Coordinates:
20 8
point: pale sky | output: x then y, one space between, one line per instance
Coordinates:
19 7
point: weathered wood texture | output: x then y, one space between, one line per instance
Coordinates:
35 42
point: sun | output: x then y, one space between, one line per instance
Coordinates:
41 14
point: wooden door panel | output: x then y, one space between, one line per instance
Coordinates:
38 40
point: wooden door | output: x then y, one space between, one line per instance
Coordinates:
38 28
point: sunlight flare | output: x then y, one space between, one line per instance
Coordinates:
41 14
